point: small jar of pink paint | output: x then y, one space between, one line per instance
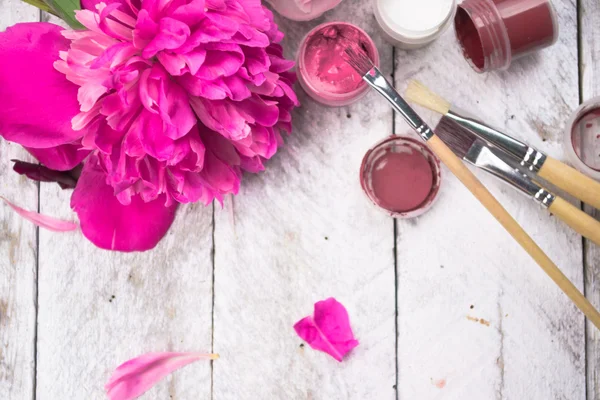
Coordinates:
582 138
323 72
401 176
493 33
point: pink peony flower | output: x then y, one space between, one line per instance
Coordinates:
165 102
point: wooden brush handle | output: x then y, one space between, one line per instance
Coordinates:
572 181
582 223
465 175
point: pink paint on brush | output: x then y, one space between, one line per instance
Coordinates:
322 70
402 176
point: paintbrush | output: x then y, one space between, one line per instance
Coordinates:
371 74
548 168
466 145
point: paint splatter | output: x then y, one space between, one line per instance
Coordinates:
480 320
440 383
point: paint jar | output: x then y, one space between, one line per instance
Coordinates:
493 33
410 24
303 10
401 176
582 138
323 72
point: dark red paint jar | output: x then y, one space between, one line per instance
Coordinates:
493 33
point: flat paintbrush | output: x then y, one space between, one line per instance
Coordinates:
371 74
475 151
548 168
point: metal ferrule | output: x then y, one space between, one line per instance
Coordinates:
376 80
528 156
544 198
483 157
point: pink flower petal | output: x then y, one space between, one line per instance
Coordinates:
328 330
111 225
134 377
61 158
37 102
41 220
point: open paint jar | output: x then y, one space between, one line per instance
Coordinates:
323 72
410 24
582 138
493 33
401 176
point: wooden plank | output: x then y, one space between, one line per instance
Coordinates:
301 232
18 248
458 269
98 308
590 87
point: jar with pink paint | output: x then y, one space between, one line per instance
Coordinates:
323 72
401 176
582 138
493 33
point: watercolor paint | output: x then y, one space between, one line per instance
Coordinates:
401 176
410 24
323 72
582 138
493 33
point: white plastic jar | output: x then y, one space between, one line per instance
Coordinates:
303 10
410 24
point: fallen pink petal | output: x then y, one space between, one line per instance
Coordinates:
43 221
328 329
134 377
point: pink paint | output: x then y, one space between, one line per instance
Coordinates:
401 181
402 176
585 132
440 383
322 70
495 32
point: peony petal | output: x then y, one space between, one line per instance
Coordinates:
36 172
328 330
37 102
134 377
61 158
43 221
109 224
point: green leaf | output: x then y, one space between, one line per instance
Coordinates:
40 4
65 9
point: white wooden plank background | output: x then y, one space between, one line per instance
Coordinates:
534 346
18 257
301 232
590 87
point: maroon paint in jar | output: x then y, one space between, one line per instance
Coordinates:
493 33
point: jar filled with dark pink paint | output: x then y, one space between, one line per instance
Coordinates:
493 33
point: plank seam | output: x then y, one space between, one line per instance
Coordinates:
36 283
212 338
582 205
395 224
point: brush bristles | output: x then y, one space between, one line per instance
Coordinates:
457 137
358 60
420 94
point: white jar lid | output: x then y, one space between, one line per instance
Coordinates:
414 22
